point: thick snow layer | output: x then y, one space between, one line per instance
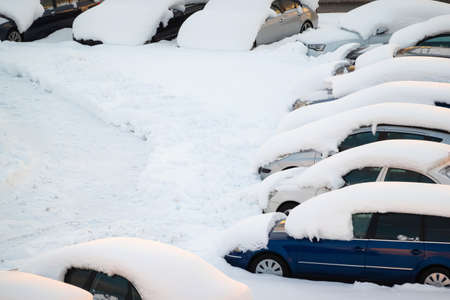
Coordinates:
109 24
158 271
16 285
337 207
250 234
22 12
421 92
391 15
326 134
402 68
375 55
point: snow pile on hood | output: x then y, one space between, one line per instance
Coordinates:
158 271
391 15
250 234
375 55
411 35
337 207
22 12
402 68
421 92
20 286
325 135
109 24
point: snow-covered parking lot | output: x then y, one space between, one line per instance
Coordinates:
153 141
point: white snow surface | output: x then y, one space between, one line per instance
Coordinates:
337 207
420 92
391 15
22 12
375 55
158 271
402 68
16 285
108 23
326 134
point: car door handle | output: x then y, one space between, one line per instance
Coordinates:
282 20
360 249
416 252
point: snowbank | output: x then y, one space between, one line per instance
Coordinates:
325 135
420 92
375 55
109 24
250 234
22 12
21 286
402 68
391 15
337 207
158 271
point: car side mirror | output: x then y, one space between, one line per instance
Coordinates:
381 30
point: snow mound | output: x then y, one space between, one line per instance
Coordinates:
109 24
22 12
375 55
21 286
325 135
402 68
158 271
391 15
420 92
337 207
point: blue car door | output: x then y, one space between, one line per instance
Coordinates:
395 248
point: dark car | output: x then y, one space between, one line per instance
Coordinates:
437 46
58 14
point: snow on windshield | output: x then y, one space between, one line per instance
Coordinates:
337 207
22 12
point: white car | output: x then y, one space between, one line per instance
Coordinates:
395 160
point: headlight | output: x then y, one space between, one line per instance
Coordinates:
317 47
272 193
299 103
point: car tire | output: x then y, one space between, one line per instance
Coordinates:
436 276
305 26
14 36
286 207
269 263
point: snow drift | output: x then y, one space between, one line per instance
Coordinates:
22 12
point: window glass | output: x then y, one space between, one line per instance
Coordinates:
110 287
367 174
47 4
402 227
408 136
437 41
68 3
406 176
80 278
276 7
361 224
287 5
437 229
358 139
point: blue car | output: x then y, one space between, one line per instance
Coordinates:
387 248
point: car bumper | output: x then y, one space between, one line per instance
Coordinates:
239 259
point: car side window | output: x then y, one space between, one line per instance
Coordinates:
403 175
47 4
361 224
287 5
437 229
367 174
358 139
276 7
110 287
408 136
81 278
437 41
401 227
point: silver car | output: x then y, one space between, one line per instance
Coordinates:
289 17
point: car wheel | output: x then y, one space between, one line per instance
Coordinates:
307 25
14 36
269 263
437 276
286 207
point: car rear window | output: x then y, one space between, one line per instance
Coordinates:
437 229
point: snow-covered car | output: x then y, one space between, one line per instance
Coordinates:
388 233
16 285
421 92
310 143
394 160
29 20
135 269
241 25
144 21
372 23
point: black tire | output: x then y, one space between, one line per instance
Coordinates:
267 257
286 207
439 275
305 26
14 36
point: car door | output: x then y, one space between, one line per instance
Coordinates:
41 26
290 21
65 12
271 30
437 240
394 248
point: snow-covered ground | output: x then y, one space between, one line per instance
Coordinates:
152 141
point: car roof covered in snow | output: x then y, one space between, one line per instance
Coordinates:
326 134
16 285
401 68
421 92
158 271
22 12
337 207
391 15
